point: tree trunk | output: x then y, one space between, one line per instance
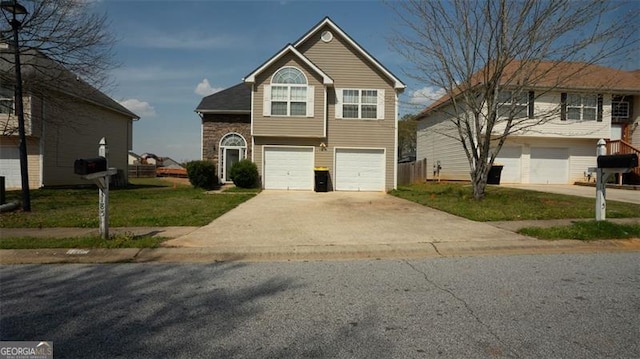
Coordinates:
479 180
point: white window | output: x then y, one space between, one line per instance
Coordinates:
582 107
359 104
619 107
6 100
512 104
289 94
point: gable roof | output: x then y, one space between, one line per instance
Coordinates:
553 75
399 85
235 99
251 78
46 74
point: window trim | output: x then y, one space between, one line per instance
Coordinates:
269 99
564 106
10 97
619 100
339 106
527 105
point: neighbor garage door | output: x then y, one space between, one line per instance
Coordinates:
509 157
10 166
549 165
359 170
288 168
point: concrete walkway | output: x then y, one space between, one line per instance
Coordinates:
613 194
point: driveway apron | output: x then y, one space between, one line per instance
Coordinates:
300 218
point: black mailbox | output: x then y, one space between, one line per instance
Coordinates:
618 161
85 166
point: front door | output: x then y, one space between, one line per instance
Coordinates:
231 157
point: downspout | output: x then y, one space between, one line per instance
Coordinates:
395 146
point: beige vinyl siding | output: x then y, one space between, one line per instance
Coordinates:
350 70
33 158
72 134
344 64
435 142
288 126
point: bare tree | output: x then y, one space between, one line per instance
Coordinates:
70 33
478 52
65 47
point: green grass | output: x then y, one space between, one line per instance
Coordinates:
585 230
242 190
147 202
118 241
508 204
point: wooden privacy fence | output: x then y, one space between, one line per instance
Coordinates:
412 172
138 171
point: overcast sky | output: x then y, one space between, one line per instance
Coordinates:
173 53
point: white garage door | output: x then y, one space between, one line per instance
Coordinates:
509 157
10 167
359 170
288 168
549 165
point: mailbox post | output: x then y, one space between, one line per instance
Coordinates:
97 170
607 165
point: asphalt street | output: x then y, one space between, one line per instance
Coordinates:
540 306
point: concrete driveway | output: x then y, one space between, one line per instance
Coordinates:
295 219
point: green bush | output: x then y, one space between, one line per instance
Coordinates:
202 174
244 174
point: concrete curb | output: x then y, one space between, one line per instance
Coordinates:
298 253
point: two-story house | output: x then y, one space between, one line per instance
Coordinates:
571 112
65 118
322 101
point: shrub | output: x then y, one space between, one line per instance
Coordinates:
202 174
244 174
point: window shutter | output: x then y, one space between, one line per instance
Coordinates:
380 109
310 96
563 106
338 108
599 118
266 109
532 98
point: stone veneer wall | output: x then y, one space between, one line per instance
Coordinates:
214 127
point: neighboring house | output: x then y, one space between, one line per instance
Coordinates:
322 101
134 159
597 102
65 119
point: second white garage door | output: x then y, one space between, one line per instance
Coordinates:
359 170
288 168
549 165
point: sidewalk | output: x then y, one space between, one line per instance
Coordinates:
257 252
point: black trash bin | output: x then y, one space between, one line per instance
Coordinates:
494 174
322 179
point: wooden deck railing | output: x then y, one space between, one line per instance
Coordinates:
620 147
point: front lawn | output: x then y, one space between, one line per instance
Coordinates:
508 204
585 230
147 202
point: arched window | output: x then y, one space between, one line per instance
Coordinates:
289 94
233 140
289 75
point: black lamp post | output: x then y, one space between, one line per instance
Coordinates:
16 9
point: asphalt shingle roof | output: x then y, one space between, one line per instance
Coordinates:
235 99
